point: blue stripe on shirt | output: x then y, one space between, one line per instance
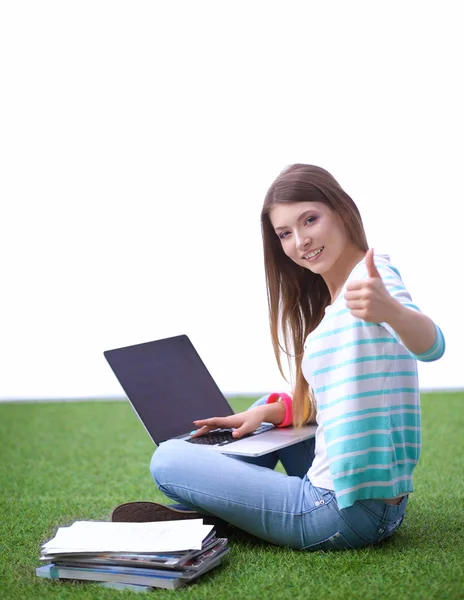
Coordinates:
381 340
365 411
353 361
383 374
354 325
405 390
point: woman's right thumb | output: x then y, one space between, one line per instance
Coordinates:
238 433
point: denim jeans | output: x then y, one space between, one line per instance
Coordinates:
283 509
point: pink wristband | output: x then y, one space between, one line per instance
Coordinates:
288 420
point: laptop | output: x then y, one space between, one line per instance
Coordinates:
169 387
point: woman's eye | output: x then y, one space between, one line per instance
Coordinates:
310 220
284 234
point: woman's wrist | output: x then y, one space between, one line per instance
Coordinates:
272 413
287 402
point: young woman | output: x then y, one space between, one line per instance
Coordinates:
344 319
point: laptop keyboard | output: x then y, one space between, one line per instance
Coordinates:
221 437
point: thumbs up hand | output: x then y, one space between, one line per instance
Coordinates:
368 299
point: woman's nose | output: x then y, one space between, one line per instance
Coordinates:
302 242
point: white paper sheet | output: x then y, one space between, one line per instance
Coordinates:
106 536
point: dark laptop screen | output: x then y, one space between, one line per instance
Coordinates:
168 385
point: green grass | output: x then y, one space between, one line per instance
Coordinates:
66 461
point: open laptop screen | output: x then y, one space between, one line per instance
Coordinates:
168 385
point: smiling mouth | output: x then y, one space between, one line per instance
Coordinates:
313 255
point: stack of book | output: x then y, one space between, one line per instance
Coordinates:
136 556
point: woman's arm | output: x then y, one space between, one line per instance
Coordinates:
416 330
370 300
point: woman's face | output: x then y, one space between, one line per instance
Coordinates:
311 234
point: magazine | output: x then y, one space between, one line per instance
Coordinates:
134 575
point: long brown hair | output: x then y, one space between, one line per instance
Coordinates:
296 296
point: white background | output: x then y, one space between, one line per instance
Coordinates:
138 140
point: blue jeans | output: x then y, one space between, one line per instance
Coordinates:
286 510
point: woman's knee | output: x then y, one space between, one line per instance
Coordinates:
167 459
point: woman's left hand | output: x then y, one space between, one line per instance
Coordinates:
368 299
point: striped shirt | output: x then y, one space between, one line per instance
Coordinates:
366 389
